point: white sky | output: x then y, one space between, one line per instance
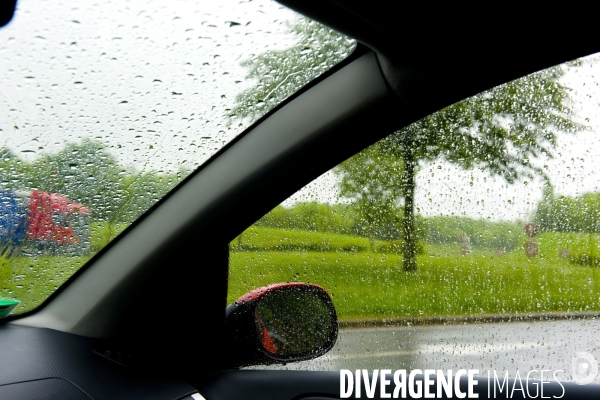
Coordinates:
153 82
132 74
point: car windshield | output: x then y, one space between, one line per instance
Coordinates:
107 106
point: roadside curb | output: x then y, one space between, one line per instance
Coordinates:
468 319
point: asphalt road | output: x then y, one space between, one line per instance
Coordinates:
501 346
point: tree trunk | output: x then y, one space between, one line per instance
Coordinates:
409 242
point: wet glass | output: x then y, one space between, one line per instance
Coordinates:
106 106
293 323
470 239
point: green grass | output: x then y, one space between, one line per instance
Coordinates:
367 284
371 285
101 233
32 279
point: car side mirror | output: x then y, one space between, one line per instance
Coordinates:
280 323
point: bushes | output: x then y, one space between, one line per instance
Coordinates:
576 248
587 254
481 233
569 214
310 216
345 219
395 247
392 247
586 260
274 239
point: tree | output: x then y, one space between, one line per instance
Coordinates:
371 181
142 190
85 172
280 73
13 170
501 131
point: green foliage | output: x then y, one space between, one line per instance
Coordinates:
85 172
280 73
101 233
577 248
579 218
586 259
310 216
276 239
395 247
348 219
481 233
5 271
258 238
569 214
501 131
370 179
13 170
142 191
337 218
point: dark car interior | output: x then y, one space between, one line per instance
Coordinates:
102 336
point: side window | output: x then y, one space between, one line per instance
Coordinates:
468 239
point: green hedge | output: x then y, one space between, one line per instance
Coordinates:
586 260
276 239
576 248
395 247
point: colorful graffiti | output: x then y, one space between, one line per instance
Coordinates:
42 223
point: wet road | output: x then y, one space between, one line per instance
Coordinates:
510 346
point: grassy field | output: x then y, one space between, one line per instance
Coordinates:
32 279
372 285
367 284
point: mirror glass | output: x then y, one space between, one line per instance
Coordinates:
295 322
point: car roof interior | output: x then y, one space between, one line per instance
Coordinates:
406 67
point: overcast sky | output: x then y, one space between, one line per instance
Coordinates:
153 81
